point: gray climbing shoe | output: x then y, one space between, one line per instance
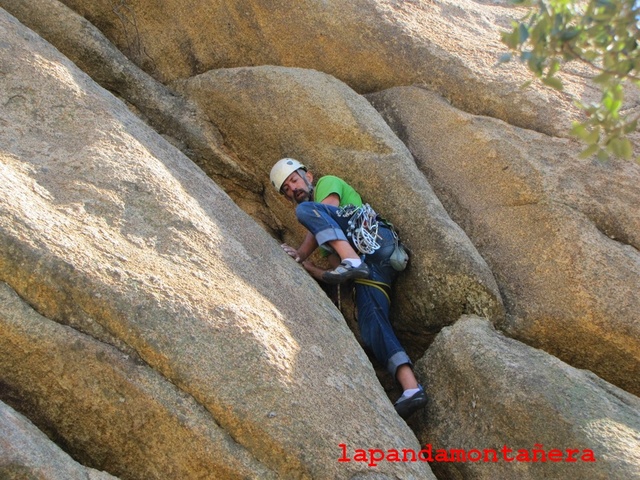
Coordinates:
405 406
344 272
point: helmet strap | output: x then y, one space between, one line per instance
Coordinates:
303 173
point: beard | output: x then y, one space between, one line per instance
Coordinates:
301 195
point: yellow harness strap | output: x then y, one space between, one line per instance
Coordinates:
383 287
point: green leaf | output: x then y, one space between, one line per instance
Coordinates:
593 137
590 150
627 149
579 130
621 147
554 67
553 82
602 79
612 105
604 3
526 84
631 126
569 34
510 39
536 65
603 33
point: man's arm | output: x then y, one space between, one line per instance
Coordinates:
315 271
333 199
306 248
309 244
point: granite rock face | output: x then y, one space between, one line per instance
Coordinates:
25 452
169 114
110 409
266 113
151 325
518 412
558 232
452 46
108 229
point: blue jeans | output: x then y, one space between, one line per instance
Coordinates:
372 293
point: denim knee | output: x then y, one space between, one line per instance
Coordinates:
304 209
321 220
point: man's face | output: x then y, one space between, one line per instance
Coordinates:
296 189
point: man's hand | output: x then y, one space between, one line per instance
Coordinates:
309 266
292 252
315 271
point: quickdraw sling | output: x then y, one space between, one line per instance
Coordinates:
363 230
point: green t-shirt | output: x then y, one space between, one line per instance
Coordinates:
330 184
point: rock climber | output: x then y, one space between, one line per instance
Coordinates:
334 215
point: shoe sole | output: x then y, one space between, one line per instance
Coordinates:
409 407
336 279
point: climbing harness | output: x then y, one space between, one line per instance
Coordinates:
383 287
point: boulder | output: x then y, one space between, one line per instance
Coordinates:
558 233
26 452
266 113
108 229
513 411
169 114
453 46
112 410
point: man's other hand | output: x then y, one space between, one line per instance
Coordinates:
292 252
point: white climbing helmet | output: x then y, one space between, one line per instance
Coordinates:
282 169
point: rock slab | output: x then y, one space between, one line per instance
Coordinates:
108 229
26 452
559 233
490 392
